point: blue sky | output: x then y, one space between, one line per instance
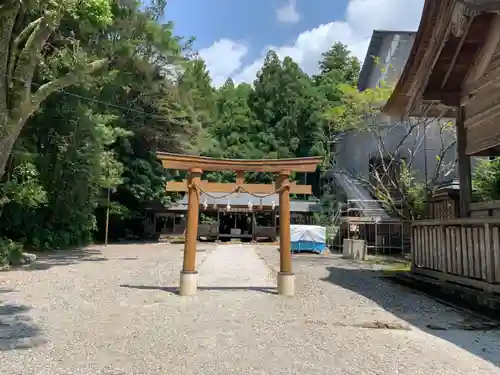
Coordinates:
234 35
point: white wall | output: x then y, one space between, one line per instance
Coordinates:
394 53
356 148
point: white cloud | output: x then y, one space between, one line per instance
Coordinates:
223 59
361 18
288 13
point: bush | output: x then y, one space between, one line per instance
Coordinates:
486 180
11 253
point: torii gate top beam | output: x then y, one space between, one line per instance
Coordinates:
189 162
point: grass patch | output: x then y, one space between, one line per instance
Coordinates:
389 265
176 239
11 253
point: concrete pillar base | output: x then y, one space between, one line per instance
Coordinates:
188 284
286 284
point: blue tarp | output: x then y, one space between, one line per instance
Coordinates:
308 238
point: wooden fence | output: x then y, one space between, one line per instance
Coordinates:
463 251
485 209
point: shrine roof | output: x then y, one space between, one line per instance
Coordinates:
439 61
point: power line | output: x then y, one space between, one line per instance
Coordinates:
98 101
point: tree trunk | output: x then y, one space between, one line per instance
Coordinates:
11 130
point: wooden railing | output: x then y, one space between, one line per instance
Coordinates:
265 232
464 251
485 209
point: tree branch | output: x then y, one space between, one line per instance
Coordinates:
28 60
8 15
14 49
60 83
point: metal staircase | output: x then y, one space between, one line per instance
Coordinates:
336 216
358 196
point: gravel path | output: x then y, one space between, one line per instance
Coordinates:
115 311
236 267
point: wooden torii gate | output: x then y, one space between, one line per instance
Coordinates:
196 165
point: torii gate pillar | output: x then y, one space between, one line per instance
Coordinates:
286 278
189 276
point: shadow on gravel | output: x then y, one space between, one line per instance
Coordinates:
48 260
419 310
17 331
175 289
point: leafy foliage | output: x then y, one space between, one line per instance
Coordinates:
24 187
99 135
10 252
486 180
84 109
392 177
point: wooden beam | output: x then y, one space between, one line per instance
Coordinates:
492 78
482 5
483 116
240 177
449 98
218 187
440 33
493 151
457 52
485 146
187 162
484 57
464 167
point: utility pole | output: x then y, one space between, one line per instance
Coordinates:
107 218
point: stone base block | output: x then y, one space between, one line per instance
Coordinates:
286 284
188 284
354 249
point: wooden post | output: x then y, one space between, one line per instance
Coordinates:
464 168
192 222
285 246
189 281
254 238
275 222
218 223
489 259
286 280
443 245
240 178
107 218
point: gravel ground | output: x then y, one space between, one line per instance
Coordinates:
115 311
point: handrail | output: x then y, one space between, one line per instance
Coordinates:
480 206
336 216
463 221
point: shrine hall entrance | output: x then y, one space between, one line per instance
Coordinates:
236 225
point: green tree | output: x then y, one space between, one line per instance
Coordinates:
338 66
34 41
102 133
486 180
197 91
393 177
284 102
